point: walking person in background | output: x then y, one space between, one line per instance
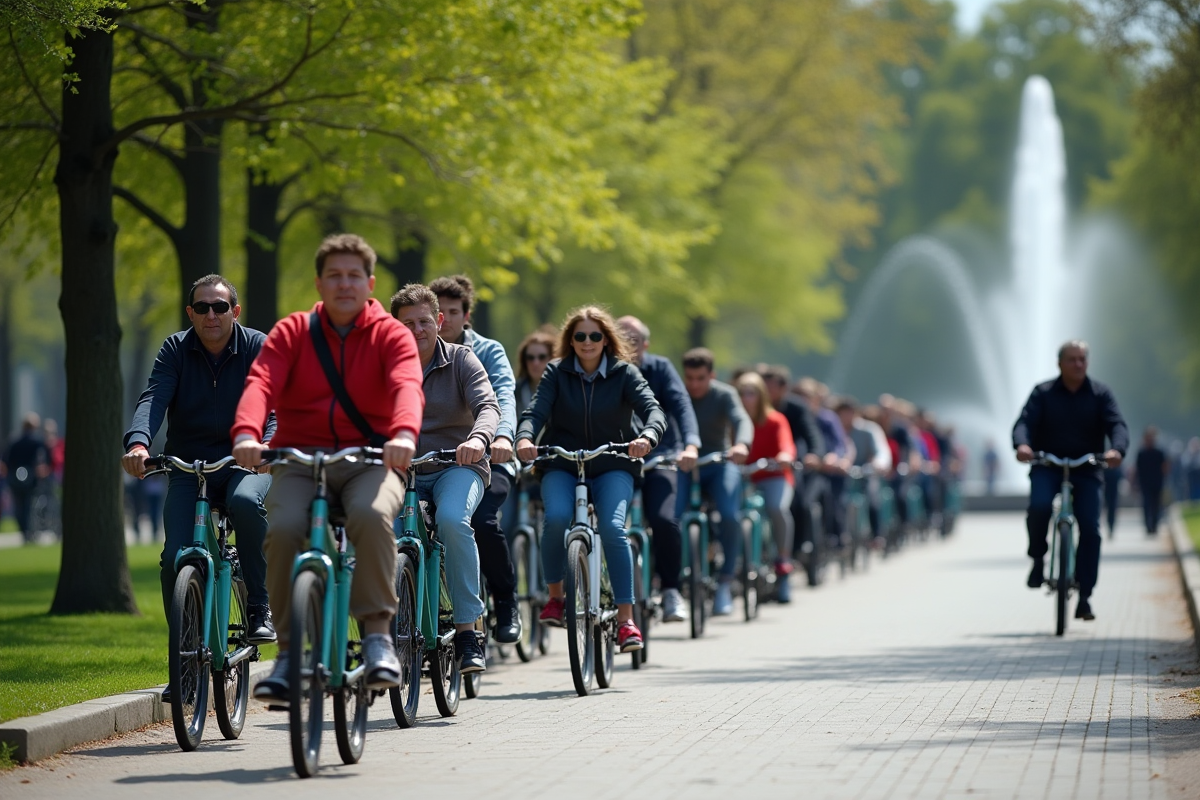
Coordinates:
25 463
991 467
1150 475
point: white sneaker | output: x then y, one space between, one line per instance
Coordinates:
674 609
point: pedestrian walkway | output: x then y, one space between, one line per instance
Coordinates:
934 675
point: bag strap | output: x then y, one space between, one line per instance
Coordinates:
335 382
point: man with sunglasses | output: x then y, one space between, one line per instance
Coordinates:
196 385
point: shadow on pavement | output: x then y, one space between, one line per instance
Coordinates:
238 776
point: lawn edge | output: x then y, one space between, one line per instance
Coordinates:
44 735
1189 567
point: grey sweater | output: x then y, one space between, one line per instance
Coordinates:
459 404
720 415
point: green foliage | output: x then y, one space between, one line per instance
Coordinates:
8 756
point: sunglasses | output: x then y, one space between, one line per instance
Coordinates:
595 336
202 308
537 356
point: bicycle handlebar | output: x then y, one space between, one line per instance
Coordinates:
1044 459
365 455
157 465
436 457
551 451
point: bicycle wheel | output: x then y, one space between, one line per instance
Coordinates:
1063 587
446 679
695 583
640 603
407 695
604 650
231 687
749 575
578 618
351 703
306 681
187 667
526 594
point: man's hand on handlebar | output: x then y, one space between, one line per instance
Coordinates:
738 453
502 450
398 453
526 450
134 462
469 452
1113 459
248 453
1024 453
687 459
639 447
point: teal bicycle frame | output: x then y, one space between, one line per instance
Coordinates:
1062 526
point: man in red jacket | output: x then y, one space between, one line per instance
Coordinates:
377 359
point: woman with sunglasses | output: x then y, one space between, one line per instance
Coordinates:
589 396
533 355
772 440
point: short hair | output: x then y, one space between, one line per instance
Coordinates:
213 280
1074 343
777 373
540 336
617 346
637 325
31 422
414 294
699 357
845 402
456 287
350 243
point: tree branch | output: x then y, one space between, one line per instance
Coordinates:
156 146
149 213
29 126
29 82
28 187
159 75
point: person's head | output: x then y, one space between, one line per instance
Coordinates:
534 354
1150 435
847 410
345 276
30 423
588 333
808 390
456 296
213 308
416 306
1073 361
776 377
637 334
698 372
754 396
50 431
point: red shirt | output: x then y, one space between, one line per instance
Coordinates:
379 364
770 439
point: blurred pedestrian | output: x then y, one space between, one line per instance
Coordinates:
1150 473
991 467
25 463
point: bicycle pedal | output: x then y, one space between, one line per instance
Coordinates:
277 708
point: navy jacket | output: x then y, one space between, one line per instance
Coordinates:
198 399
670 393
1071 424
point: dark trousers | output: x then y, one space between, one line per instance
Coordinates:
834 505
659 506
1152 506
242 494
23 508
811 489
494 558
1044 484
1112 496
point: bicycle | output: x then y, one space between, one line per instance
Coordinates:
526 558
424 622
858 516
757 574
325 655
208 621
590 612
1062 533
697 577
645 607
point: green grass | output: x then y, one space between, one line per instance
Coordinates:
1191 518
8 525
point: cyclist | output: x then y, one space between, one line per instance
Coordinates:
724 428
810 447
461 413
196 384
1069 417
533 355
378 372
455 296
772 440
588 397
870 451
837 459
659 485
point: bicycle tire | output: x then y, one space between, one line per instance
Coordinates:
526 593
407 696
604 651
445 678
578 618
695 583
640 618
749 576
306 684
231 687
187 668
351 703
1063 586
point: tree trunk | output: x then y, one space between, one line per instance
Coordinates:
198 244
409 264
139 354
481 318
6 370
698 332
95 572
263 235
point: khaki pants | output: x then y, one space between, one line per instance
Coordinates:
372 497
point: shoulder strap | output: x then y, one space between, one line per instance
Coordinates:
335 382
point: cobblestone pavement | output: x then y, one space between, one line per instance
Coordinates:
935 674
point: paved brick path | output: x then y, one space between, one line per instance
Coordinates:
935 675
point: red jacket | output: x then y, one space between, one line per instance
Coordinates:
379 365
770 439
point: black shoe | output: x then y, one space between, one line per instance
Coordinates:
260 627
470 654
273 689
1037 576
508 622
166 695
1083 611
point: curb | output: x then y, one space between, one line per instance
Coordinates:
45 735
1189 567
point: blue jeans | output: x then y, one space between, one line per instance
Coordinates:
1044 483
243 495
611 495
777 501
722 485
456 491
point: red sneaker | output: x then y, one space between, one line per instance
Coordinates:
784 568
552 613
629 638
